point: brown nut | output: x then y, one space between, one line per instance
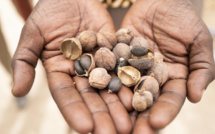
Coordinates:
160 71
138 50
147 83
87 40
105 58
114 85
84 65
71 48
139 41
124 35
121 50
128 75
142 62
99 78
140 102
106 39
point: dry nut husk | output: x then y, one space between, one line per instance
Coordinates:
158 57
114 85
160 71
128 75
122 50
140 102
106 39
99 78
105 58
142 62
147 83
84 65
88 40
139 41
71 48
124 35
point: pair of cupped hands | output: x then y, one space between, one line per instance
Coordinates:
170 26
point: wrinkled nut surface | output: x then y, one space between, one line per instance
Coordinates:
140 102
142 62
121 50
158 57
160 71
99 78
105 58
114 85
139 41
147 83
106 39
88 40
86 63
124 35
128 75
71 48
138 50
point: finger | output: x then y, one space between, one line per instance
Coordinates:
25 59
70 102
168 104
133 117
102 120
142 124
117 111
202 65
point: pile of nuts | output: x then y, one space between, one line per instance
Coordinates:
135 64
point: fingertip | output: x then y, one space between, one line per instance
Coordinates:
195 96
19 93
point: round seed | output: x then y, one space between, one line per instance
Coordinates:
114 85
85 62
139 50
79 70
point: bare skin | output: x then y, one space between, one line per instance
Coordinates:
170 27
174 29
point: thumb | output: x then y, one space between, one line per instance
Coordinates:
25 58
202 67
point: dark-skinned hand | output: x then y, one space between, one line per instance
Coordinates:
174 29
85 109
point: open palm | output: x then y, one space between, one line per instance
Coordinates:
84 109
174 29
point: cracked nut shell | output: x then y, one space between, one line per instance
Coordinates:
105 58
71 48
122 50
124 35
99 78
85 64
147 83
88 40
128 75
106 39
141 102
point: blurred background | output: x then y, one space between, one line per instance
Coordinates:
38 114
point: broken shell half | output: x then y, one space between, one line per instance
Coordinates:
128 75
71 48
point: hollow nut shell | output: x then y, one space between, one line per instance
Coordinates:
71 48
122 50
147 83
139 41
141 102
87 63
99 78
124 35
88 40
128 75
114 85
105 58
106 39
160 71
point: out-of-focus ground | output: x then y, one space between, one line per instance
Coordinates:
41 115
